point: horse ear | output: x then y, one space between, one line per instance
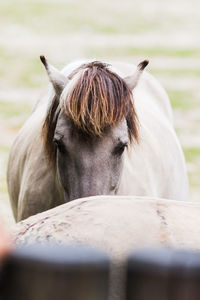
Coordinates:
133 79
58 80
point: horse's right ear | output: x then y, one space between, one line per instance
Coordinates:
58 80
132 80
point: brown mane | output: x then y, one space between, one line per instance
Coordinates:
98 99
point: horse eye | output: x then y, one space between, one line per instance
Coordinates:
120 148
59 144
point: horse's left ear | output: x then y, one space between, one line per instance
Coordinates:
133 79
58 80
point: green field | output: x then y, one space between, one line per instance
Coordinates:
166 33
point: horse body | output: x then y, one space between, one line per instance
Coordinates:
30 181
156 165
153 167
117 225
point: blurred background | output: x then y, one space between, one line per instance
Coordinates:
165 32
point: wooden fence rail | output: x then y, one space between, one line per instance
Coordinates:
163 274
56 272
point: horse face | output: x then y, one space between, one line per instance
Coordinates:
93 97
88 166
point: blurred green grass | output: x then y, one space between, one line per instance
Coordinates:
107 17
183 100
144 51
9 110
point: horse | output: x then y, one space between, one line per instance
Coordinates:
118 225
102 129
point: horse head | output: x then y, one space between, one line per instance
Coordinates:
90 122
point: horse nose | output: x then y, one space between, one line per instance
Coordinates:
88 189
75 195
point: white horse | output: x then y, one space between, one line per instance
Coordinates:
99 131
117 225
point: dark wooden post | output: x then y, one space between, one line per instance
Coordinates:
55 273
163 274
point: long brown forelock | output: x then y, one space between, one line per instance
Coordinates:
99 99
